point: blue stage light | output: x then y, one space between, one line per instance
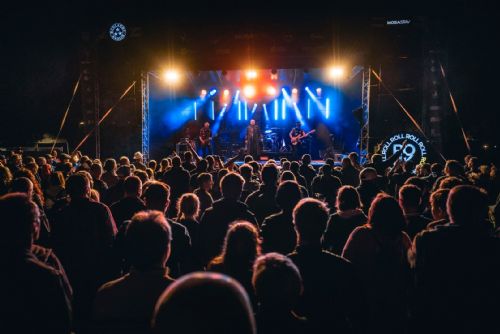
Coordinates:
275 110
308 108
283 109
239 110
266 115
195 110
327 111
254 108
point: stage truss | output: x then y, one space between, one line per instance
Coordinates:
364 136
145 114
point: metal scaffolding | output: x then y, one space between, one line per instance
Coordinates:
364 136
145 114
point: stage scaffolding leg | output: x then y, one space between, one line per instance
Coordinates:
145 114
364 136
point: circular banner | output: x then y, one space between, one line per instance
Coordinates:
414 150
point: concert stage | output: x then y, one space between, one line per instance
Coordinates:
176 105
315 163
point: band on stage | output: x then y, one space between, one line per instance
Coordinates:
254 140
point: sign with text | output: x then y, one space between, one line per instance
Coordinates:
414 150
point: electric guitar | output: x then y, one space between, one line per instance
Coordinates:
297 139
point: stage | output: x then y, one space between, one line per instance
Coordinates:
322 100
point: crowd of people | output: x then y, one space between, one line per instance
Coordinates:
203 245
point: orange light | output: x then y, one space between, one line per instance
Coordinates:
203 93
171 76
251 74
226 92
295 91
336 72
271 90
249 91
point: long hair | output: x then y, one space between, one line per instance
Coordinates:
385 215
188 206
241 246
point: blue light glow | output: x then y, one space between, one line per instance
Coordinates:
327 112
265 112
216 126
195 111
212 110
246 111
239 110
308 108
320 105
283 109
212 92
298 114
275 110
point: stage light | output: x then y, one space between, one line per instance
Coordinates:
203 93
171 76
308 108
212 92
271 91
226 92
249 91
251 74
318 91
295 91
336 72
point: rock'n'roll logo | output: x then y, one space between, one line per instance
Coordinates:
414 150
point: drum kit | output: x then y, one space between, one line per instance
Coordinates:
274 141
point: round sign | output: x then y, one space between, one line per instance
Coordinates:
414 150
117 32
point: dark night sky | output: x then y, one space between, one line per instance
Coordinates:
40 53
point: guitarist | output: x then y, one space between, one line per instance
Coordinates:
205 138
296 135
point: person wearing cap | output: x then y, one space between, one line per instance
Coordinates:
138 161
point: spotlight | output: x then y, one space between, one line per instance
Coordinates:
318 91
271 91
249 91
203 93
295 91
226 92
171 76
251 74
336 72
212 92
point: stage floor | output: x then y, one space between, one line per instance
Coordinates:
315 163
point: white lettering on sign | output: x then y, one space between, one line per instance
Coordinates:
415 148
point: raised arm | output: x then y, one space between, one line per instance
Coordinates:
390 161
195 154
